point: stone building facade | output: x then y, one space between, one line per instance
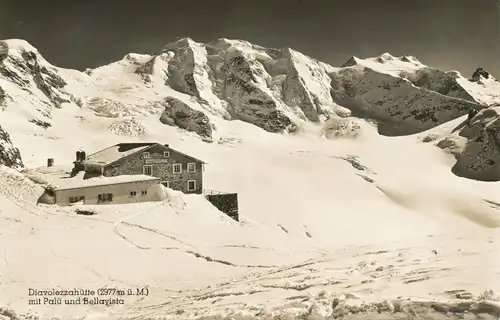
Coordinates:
175 169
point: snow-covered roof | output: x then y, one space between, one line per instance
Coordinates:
116 152
121 150
64 181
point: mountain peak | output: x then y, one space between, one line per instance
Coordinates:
15 47
181 42
352 61
384 57
480 74
410 59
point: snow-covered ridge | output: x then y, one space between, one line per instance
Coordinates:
481 87
387 63
275 89
28 80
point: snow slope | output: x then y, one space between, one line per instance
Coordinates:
332 216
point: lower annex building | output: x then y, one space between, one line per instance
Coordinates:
125 173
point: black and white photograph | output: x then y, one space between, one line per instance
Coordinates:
250 160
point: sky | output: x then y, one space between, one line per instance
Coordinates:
449 34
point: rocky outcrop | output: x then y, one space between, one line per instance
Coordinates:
25 65
249 97
9 154
480 73
307 86
34 85
110 108
4 50
147 68
130 127
47 81
477 147
441 82
178 113
182 75
188 72
336 127
3 98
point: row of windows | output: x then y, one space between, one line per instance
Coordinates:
76 199
176 168
134 193
108 197
105 197
191 185
147 155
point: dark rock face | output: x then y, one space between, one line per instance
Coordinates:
14 76
181 68
182 115
146 68
9 155
45 80
239 74
306 87
477 147
27 66
41 123
249 102
4 51
480 72
441 82
3 98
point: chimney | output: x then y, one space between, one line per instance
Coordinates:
83 155
78 156
50 162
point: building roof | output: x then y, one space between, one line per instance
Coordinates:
116 152
121 150
65 182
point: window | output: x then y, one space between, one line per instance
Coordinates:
105 197
132 193
144 192
192 167
177 168
166 154
76 199
166 184
191 185
147 170
146 155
